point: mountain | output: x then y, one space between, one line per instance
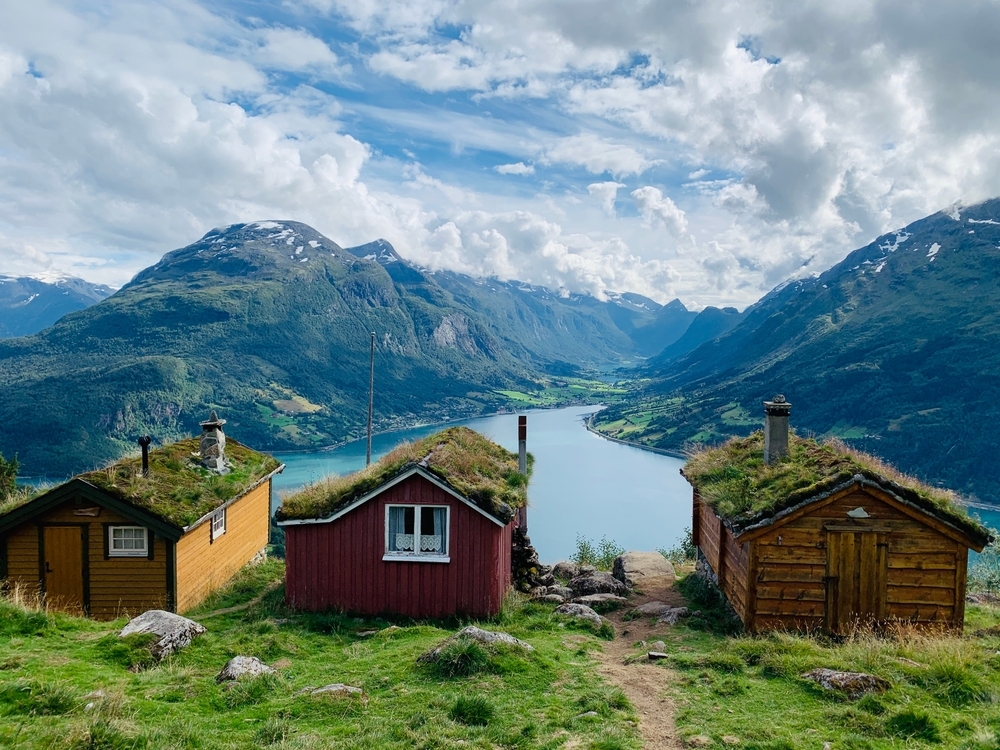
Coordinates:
27 305
269 323
709 324
896 349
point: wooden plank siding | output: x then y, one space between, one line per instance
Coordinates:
339 566
778 577
204 565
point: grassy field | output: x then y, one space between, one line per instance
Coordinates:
565 392
50 664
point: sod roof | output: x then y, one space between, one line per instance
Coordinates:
475 467
178 489
733 479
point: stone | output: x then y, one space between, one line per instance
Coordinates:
656 655
538 591
597 583
472 633
580 611
366 633
565 570
586 715
854 684
602 602
335 690
984 597
651 609
564 591
673 615
551 599
546 579
243 666
587 570
657 646
175 632
639 568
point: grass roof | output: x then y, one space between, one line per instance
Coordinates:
474 466
733 479
178 489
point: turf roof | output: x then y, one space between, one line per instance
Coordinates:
475 467
733 479
178 489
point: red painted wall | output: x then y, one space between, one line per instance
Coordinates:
338 565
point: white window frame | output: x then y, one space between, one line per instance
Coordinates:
416 556
218 529
112 552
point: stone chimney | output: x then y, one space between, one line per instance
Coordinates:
776 428
212 448
522 466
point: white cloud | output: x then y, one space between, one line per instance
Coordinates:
517 168
294 49
653 205
597 155
607 193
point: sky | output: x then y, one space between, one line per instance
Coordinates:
705 150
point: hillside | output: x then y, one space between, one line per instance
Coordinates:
28 305
269 323
896 349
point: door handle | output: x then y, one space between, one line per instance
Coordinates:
47 568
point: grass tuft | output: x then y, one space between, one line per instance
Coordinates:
249 691
914 724
131 652
37 699
471 710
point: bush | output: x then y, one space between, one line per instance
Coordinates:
684 551
473 711
911 724
984 571
601 555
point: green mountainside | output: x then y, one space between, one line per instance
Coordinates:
269 323
896 350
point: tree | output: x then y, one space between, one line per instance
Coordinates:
8 475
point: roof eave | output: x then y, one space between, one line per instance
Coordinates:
247 491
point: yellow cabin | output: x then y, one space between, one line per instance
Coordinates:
160 532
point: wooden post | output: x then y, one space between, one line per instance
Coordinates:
522 466
371 400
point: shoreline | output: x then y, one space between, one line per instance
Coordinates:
662 451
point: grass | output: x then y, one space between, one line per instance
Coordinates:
746 691
178 488
52 664
735 481
476 467
600 554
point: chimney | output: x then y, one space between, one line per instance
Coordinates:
144 441
212 447
522 466
776 428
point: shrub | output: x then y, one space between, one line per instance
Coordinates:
471 710
955 684
984 570
601 555
912 724
682 552
36 699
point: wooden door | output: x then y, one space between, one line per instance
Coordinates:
856 573
62 567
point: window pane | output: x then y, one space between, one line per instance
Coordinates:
400 529
431 530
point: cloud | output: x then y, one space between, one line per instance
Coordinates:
654 205
597 155
294 49
517 168
607 192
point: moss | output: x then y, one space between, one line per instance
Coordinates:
178 488
734 480
474 466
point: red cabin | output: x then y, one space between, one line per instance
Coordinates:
425 533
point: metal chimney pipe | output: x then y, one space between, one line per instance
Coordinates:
144 441
522 466
776 428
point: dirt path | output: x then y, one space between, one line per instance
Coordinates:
246 605
644 683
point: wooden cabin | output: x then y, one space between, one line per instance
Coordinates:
823 538
425 532
120 541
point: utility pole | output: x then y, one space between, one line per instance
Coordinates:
371 400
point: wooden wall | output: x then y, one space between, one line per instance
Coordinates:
204 565
728 558
117 586
339 566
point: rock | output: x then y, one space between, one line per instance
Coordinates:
656 655
651 609
587 570
243 666
597 583
551 599
602 602
672 615
657 646
334 690
586 715
854 684
983 598
175 632
547 579
564 591
638 568
580 611
366 633
537 591
565 570
472 633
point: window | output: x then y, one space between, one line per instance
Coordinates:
127 541
218 523
416 532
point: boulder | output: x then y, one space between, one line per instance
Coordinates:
651 609
564 591
598 583
673 615
175 632
854 684
472 633
602 602
243 666
636 568
565 570
587 570
581 612
337 689
551 599
656 655
546 579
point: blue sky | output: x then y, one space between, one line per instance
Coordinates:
706 151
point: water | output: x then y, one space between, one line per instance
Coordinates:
582 484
